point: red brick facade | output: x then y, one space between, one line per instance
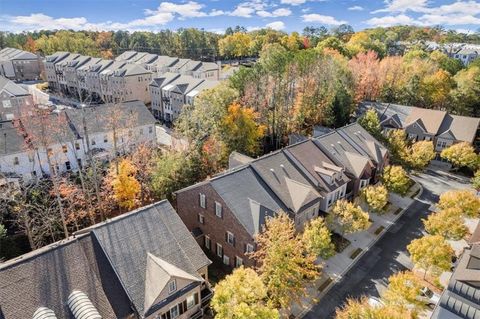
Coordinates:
188 207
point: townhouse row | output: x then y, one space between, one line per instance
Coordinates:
19 65
305 179
68 138
421 124
14 100
167 83
143 264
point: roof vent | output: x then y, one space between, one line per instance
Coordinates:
44 313
81 306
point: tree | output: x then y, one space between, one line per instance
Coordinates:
240 130
236 45
476 180
242 295
376 197
332 43
317 239
284 268
361 309
403 291
461 155
3 231
397 145
125 186
396 179
364 68
465 200
431 253
447 223
466 95
421 154
348 217
371 123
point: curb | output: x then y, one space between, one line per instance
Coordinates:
379 236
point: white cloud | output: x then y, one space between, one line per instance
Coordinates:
216 12
293 2
356 8
246 9
389 21
450 19
40 20
403 5
281 12
318 18
277 25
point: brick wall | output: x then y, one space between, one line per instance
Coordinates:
188 207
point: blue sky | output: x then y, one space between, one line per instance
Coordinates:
216 15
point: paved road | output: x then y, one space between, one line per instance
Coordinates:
389 255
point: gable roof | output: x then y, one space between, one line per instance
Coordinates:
387 111
431 120
205 85
11 141
247 197
155 229
11 87
183 84
8 54
164 79
463 128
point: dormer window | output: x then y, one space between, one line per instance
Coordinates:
172 286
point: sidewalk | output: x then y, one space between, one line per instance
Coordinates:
335 267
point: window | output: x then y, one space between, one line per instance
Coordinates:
64 148
77 146
16 161
174 311
207 242
202 200
219 250
249 248
238 261
230 238
190 301
441 144
226 260
9 116
7 104
105 139
218 209
172 286
68 166
201 219
150 129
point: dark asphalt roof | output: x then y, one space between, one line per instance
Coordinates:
247 197
11 141
155 229
46 277
11 87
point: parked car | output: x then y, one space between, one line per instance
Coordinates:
375 302
429 297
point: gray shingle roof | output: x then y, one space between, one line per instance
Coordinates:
247 197
164 79
8 54
387 111
184 84
462 127
155 229
11 87
11 141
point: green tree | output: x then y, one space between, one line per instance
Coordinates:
447 223
3 231
371 123
317 239
461 155
464 200
348 217
396 179
421 154
376 197
403 291
242 295
466 95
431 253
333 43
284 268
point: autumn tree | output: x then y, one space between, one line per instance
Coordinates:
421 154
403 291
236 45
461 155
448 223
476 180
332 43
396 179
371 123
240 130
284 268
364 68
397 145
348 217
125 186
431 253
464 200
317 239
242 295
361 309
376 197
143 159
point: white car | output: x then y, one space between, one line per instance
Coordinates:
429 297
374 302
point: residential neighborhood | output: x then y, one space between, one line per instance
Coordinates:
238 160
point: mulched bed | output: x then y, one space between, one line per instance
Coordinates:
340 242
325 284
356 253
379 230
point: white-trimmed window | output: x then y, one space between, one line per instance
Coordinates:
190 301
9 116
226 260
238 261
201 219
172 286
218 209
16 161
219 250
230 238
174 312
7 104
207 242
249 248
202 200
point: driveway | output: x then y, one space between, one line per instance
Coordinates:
369 276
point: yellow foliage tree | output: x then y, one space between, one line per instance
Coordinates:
447 223
125 186
376 197
461 155
464 200
421 153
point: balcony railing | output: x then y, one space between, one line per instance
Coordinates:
197 315
206 295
